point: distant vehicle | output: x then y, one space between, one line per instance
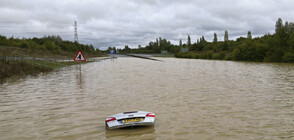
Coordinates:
127 119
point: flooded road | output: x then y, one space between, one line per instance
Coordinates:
192 99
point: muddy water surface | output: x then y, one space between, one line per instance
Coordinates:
192 99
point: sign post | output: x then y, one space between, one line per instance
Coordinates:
80 57
112 53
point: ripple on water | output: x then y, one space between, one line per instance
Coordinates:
201 99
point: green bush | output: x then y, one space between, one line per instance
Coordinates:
288 57
24 45
219 56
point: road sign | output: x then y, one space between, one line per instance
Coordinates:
111 52
80 57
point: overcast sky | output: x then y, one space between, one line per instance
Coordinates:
106 23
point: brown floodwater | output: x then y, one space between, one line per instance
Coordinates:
192 99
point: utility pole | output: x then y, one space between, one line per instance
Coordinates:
76 32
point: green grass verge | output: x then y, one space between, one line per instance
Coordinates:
11 70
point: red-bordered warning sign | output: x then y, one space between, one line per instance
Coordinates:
80 57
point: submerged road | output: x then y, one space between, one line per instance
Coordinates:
202 99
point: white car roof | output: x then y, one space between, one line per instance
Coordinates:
130 114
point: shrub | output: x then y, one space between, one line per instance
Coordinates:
24 45
288 57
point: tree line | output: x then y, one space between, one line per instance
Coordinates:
276 47
52 43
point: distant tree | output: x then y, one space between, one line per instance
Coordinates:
50 45
202 39
291 27
240 39
189 41
286 27
92 48
126 47
226 37
3 40
180 43
24 44
214 38
279 25
249 35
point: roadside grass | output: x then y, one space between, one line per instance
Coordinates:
11 70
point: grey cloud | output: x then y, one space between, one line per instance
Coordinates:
136 22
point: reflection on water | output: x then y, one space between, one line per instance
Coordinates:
201 99
79 79
132 133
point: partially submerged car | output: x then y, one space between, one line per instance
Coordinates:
127 119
